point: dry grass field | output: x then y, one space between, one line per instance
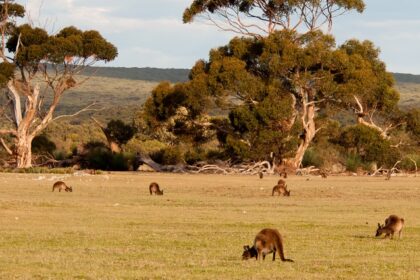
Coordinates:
111 228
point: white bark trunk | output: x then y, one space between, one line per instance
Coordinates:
17 106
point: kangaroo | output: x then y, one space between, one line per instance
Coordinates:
60 185
154 189
280 189
261 174
392 225
281 182
267 241
284 174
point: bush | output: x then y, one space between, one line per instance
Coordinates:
312 158
168 156
41 144
408 164
353 162
98 156
193 156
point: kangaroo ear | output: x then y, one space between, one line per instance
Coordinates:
379 225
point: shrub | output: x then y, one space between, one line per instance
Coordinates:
353 162
41 144
98 156
168 156
312 158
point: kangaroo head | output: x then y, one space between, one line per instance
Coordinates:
249 252
69 189
287 193
379 230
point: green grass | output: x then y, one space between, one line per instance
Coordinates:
111 228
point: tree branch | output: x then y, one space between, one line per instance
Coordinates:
8 150
87 108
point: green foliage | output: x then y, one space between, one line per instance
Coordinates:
368 144
37 45
7 71
42 144
98 156
119 131
168 156
413 123
312 158
193 156
14 10
364 75
353 162
408 164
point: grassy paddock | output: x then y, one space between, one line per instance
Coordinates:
111 228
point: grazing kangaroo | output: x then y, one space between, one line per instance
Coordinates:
284 174
392 225
280 189
267 241
60 185
154 189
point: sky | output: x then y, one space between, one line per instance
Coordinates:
150 33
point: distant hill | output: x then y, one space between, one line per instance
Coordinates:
407 78
144 74
180 75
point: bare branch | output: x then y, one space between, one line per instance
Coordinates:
8 131
86 109
8 150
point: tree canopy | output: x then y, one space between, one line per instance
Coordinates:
260 17
39 57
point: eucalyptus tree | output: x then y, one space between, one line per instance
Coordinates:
284 49
41 64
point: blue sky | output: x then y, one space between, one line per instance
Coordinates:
150 33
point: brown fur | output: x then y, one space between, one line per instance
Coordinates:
392 225
60 185
283 174
324 174
267 241
281 188
154 189
261 175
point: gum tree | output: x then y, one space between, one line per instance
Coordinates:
41 65
294 60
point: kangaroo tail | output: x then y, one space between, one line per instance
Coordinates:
279 242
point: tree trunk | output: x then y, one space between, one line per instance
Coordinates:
113 145
24 152
309 129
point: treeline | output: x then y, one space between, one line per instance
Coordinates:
181 75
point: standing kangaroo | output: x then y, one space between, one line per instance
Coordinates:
281 188
60 185
267 241
392 225
154 189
